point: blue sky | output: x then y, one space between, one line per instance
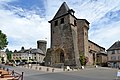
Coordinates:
26 21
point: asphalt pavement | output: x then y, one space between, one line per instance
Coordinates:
86 74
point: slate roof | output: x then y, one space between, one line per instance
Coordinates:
39 51
32 51
62 10
96 44
115 46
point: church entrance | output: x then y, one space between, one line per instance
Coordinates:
59 56
94 58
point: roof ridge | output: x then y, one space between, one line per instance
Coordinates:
116 45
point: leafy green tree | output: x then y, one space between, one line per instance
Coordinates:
83 59
9 54
3 40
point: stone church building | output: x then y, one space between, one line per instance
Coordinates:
69 39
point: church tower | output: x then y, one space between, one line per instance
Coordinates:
82 29
64 37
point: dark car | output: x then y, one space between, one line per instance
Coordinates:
22 63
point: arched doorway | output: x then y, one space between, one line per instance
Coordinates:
94 58
59 56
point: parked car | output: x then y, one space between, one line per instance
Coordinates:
22 63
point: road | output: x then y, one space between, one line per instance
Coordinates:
86 74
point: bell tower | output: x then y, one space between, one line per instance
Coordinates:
64 37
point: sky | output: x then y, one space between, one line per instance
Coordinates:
26 21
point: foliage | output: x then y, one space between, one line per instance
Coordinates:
83 59
9 54
3 40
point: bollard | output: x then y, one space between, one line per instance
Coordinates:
63 69
53 70
39 68
47 69
22 76
7 69
3 68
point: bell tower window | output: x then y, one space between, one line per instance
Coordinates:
56 23
62 20
75 23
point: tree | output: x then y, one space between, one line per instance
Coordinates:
3 40
83 59
9 54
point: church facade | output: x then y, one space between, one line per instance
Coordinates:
69 39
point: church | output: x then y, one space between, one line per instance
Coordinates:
69 39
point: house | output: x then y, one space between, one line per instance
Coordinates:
36 54
102 59
96 53
114 55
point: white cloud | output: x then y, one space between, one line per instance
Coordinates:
93 11
6 0
24 30
106 35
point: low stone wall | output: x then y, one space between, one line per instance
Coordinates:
47 69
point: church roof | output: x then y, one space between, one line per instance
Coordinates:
115 46
96 44
62 10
